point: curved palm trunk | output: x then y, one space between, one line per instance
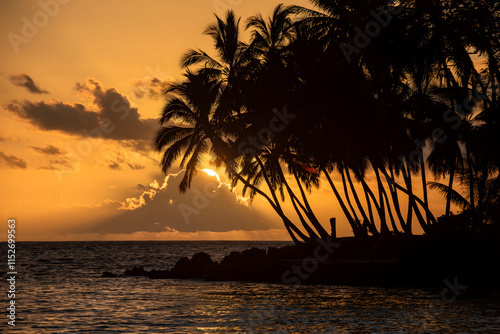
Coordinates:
391 216
346 192
416 199
424 183
450 186
290 227
370 195
278 205
411 201
471 181
384 229
294 200
371 222
395 201
355 228
356 198
310 213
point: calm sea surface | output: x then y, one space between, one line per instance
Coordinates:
59 290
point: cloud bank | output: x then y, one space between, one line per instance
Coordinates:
114 117
208 206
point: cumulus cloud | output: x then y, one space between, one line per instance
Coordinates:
208 206
48 150
153 88
13 161
114 119
69 118
24 80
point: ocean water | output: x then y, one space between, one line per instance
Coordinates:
59 290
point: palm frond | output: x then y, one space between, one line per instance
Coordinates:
455 197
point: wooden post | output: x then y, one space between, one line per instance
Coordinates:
333 224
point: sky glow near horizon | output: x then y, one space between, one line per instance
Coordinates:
97 68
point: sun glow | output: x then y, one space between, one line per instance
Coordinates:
212 173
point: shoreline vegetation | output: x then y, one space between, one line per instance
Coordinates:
376 94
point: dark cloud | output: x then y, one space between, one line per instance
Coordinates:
204 207
49 150
71 119
115 108
24 80
119 163
114 119
142 147
114 166
13 161
153 88
136 166
59 164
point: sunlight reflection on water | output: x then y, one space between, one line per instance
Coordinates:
60 292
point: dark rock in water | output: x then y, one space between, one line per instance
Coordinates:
160 274
107 274
201 258
136 271
185 268
249 255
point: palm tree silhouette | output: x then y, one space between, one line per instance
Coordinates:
368 118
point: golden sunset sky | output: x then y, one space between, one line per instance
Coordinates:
68 65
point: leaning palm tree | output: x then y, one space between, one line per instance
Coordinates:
191 104
209 101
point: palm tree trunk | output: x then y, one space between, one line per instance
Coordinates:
290 227
411 200
309 212
294 200
355 228
369 194
391 216
450 186
384 229
346 192
395 201
356 197
416 199
424 182
471 180
273 193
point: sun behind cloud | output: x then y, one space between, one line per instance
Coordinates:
211 173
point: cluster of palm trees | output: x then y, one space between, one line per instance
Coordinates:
421 97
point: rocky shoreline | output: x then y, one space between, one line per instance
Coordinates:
410 261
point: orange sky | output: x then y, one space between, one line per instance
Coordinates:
82 57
